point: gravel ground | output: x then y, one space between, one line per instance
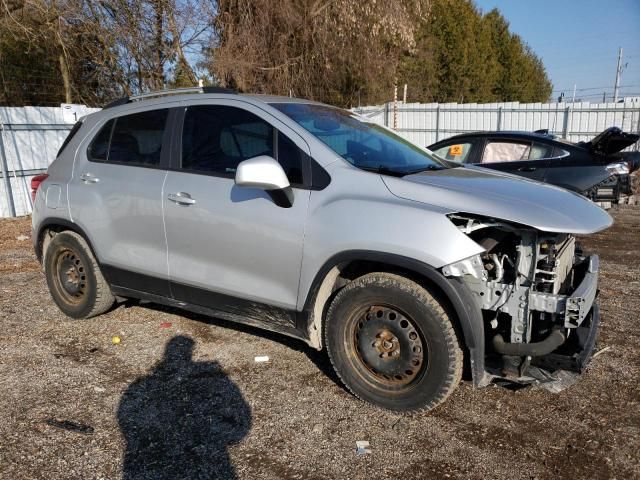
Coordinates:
181 396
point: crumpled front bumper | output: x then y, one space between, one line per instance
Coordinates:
574 307
581 319
576 353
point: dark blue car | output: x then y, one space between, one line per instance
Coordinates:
598 169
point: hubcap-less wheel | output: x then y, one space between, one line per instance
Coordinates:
392 343
388 345
74 278
71 276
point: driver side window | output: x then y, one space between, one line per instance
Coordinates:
216 138
456 152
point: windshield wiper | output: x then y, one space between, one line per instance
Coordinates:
424 169
382 170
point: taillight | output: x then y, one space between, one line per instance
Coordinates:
35 183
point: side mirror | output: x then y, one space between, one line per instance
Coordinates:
265 173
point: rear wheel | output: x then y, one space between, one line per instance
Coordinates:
74 278
392 343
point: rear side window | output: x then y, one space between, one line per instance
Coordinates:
131 139
71 134
137 138
505 151
215 139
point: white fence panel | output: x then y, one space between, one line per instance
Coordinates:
427 123
31 136
29 140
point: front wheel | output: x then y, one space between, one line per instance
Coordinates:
392 344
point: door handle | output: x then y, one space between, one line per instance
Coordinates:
89 178
181 198
527 169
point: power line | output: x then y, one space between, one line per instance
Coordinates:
594 88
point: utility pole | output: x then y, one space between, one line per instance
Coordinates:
618 72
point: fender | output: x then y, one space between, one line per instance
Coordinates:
467 310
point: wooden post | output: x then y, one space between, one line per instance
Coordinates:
395 107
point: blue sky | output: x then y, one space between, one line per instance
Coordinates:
578 41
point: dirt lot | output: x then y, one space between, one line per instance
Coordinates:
181 396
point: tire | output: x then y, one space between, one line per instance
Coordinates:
392 344
74 278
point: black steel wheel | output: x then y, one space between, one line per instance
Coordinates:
74 278
392 343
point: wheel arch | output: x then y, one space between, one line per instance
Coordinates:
345 266
58 225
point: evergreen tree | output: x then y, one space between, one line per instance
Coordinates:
464 56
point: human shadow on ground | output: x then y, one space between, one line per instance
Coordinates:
179 420
319 358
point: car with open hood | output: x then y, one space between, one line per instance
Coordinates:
598 169
310 221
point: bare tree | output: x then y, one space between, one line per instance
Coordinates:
331 50
90 51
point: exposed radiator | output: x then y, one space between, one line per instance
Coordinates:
554 263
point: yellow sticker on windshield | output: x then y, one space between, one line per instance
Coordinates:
455 150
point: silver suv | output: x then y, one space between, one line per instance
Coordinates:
313 222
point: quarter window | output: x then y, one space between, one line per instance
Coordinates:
215 139
540 151
99 148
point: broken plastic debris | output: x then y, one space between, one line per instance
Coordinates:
115 340
599 352
560 381
22 238
261 359
165 325
362 447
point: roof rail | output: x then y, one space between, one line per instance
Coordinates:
163 93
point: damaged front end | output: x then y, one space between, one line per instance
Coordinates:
537 292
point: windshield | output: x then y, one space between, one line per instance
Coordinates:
361 143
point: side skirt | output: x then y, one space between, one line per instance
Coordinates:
253 314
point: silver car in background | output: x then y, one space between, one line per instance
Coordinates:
307 220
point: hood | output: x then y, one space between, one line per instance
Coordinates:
612 140
502 196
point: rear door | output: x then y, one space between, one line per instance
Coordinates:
115 196
232 248
519 157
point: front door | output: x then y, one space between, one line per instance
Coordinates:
232 248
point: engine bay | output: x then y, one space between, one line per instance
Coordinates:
537 292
